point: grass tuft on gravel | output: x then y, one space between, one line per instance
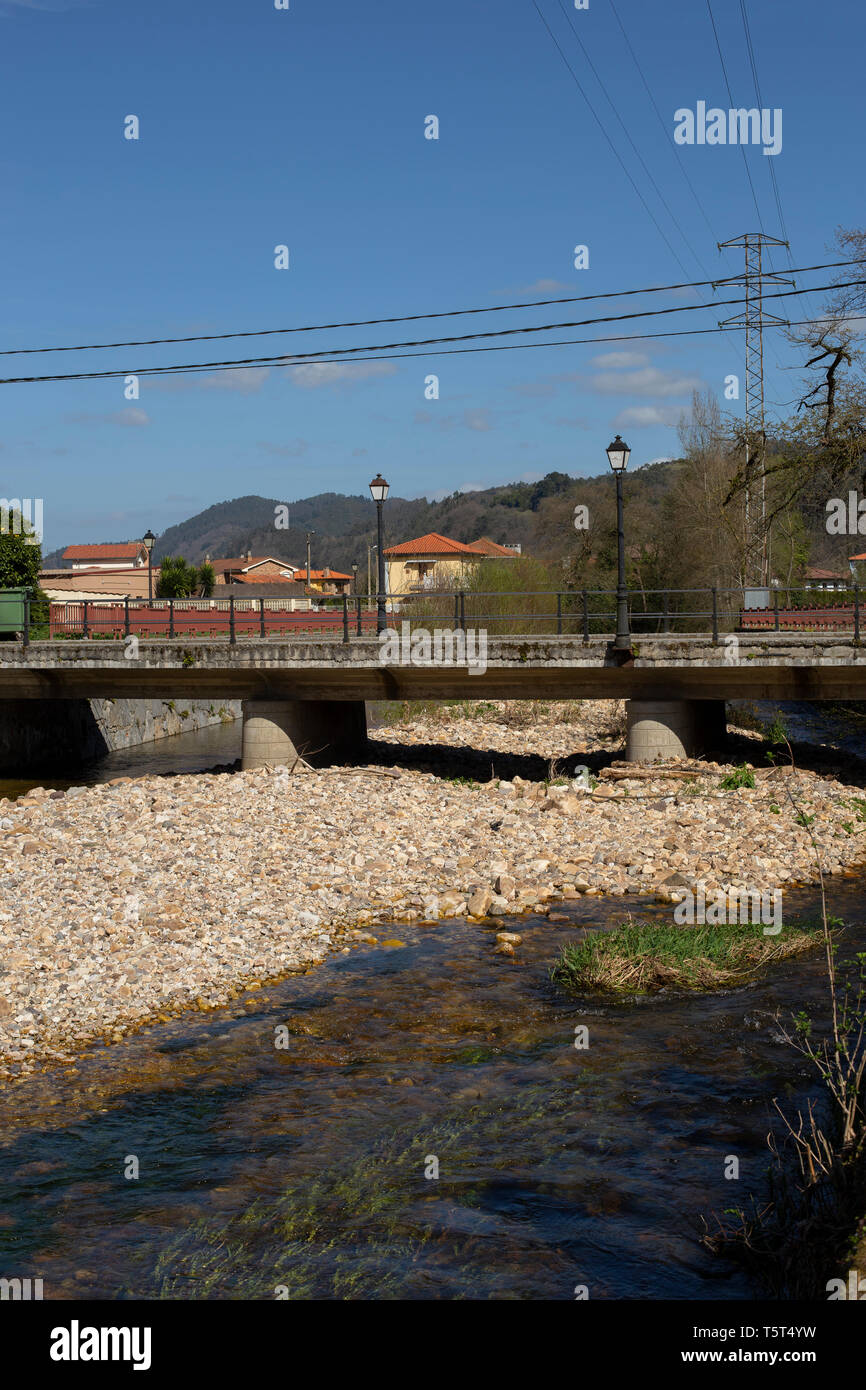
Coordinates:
642 957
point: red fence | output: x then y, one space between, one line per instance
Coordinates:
182 619
822 619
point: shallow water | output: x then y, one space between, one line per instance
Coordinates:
305 1167
310 1168
195 751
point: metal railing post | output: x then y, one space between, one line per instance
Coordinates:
856 612
126 615
86 632
585 616
559 615
171 617
715 616
666 616
345 618
456 612
261 617
231 617
776 610
360 622
462 611
25 636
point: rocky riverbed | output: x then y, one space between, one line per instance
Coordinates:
140 898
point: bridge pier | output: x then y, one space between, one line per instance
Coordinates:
664 729
277 732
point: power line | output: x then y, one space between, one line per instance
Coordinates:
661 120
770 162
628 137
192 368
672 146
408 318
339 354
731 99
614 150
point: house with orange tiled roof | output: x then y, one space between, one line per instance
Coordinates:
494 551
326 581
265 569
252 569
125 555
436 561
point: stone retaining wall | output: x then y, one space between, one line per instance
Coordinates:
39 734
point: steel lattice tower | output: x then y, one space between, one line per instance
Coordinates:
752 319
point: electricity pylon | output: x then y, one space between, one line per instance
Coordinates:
752 319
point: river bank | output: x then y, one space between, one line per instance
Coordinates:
138 899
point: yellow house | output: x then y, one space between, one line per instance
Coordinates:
435 561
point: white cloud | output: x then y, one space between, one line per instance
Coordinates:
133 417
312 375
245 380
642 416
477 419
621 359
542 287
646 381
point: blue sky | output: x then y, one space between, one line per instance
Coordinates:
305 127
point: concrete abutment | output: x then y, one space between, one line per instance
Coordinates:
665 729
278 732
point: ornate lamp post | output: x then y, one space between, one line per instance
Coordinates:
618 456
379 491
149 539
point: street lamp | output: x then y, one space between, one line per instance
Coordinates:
618 455
149 539
379 491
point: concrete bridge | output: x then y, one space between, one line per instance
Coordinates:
309 693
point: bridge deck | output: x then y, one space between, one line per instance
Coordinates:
760 666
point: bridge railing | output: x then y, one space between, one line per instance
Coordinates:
585 613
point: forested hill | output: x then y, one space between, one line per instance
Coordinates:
535 515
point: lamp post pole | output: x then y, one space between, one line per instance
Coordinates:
370 549
379 491
149 539
622 634
618 456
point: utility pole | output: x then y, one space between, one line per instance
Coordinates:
310 535
752 319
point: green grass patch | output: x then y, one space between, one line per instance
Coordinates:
741 776
642 957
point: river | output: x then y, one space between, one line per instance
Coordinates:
427 1130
